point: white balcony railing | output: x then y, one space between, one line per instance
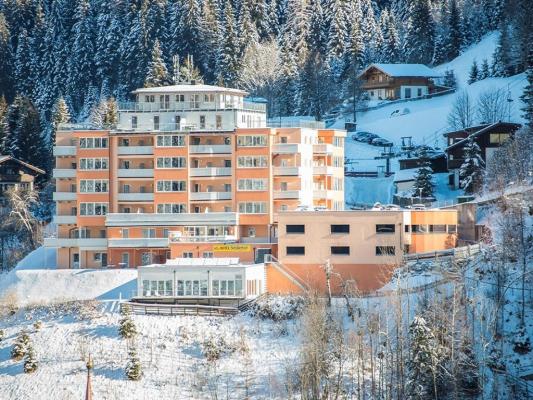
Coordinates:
135 150
210 149
286 148
226 171
322 194
138 242
323 170
323 148
61 151
172 106
183 219
64 219
210 196
288 194
64 196
62 173
135 197
136 173
82 243
287 171
175 237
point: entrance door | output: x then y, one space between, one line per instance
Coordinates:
104 259
260 255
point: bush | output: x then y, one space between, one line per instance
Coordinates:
37 325
133 367
127 328
21 346
214 348
30 363
278 308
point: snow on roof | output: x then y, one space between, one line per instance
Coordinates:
397 70
189 88
204 262
482 130
7 157
405 175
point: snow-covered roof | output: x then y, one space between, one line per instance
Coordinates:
398 70
4 158
204 262
405 175
184 88
484 128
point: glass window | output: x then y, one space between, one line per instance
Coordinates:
295 250
344 228
340 250
437 228
215 288
385 250
203 288
180 290
419 228
452 228
385 228
295 229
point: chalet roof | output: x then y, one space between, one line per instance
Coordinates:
190 88
4 158
482 129
400 70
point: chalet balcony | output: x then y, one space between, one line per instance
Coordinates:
286 148
173 106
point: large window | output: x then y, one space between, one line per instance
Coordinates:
385 250
252 162
171 162
88 209
171 208
93 143
171 186
340 250
437 228
385 228
252 184
295 229
227 287
498 138
170 141
295 250
94 186
197 287
419 228
94 163
452 228
252 141
157 288
252 208
340 228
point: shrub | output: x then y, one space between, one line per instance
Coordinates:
213 348
127 328
278 308
30 363
133 367
20 347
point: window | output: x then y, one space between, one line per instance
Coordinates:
171 186
295 229
251 231
252 162
385 250
252 141
252 208
149 98
437 228
407 93
93 143
340 228
498 138
157 288
134 122
419 92
180 98
156 122
218 119
295 250
93 163
202 121
419 228
170 162
452 228
170 141
385 228
171 208
252 184
207 254
125 233
94 186
148 232
340 250
407 229
87 209
187 254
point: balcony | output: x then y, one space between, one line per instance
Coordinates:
288 194
319 194
288 171
63 151
199 172
64 219
173 106
286 148
175 237
135 197
139 242
323 148
135 173
210 149
135 150
184 219
62 173
82 243
64 196
323 170
199 196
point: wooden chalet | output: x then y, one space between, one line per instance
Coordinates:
16 174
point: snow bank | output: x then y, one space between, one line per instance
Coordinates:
367 191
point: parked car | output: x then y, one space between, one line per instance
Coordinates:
365 137
380 142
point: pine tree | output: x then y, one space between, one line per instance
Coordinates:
157 74
20 346
23 75
127 328
30 362
424 359
423 185
527 96
391 39
3 113
472 170
485 70
246 29
449 79
420 35
229 66
455 31
474 73
133 367
110 118
6 60
289 81
502 58
61 113
337 30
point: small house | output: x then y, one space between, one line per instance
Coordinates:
16 174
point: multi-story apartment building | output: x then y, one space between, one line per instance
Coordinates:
189 171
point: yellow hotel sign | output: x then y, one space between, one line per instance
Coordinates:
232 247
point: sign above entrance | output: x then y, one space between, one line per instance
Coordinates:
232 247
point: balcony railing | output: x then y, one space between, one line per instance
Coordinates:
287 171
138 242
323 148
288 194
64 219
82 243
323 170
135 150
135 173
286 148
210 196
60 173
62 151
173 127
176 237
183 219
135 197
173 106
210 149
225 171
64 196
295 123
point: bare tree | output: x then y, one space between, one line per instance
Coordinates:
462 114
21 203
493 106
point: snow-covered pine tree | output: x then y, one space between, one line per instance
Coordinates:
527 96
484 73
420 34
20 346
110 118
211 32
472 170
424 358
297 29
61 113
391 39
30 361
3 113
288 87
229 61
473 76
372 35
247 32
501 59
449 79
23 75
337 33
6 60
157 73
455 31
423 185
127 328
133 367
